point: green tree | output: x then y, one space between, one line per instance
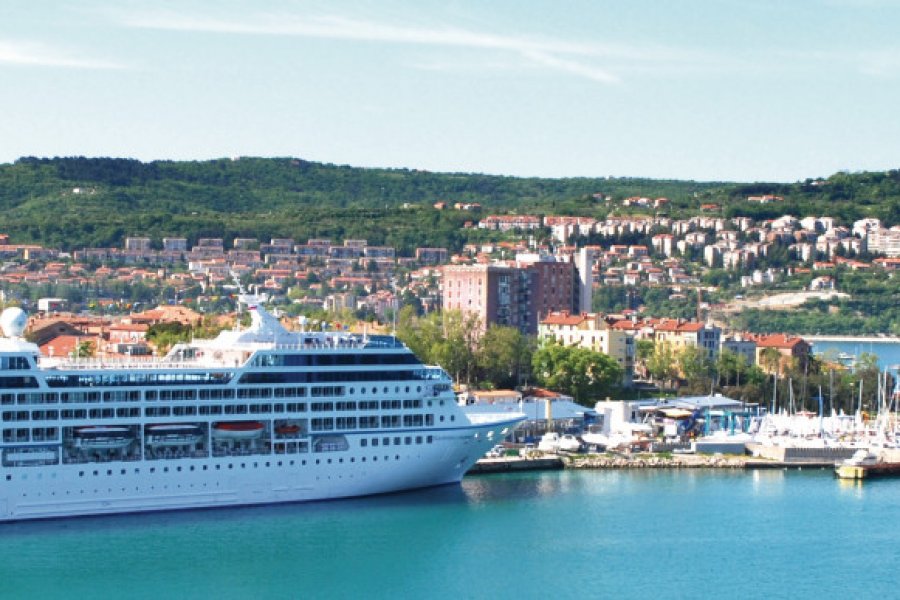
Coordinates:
455 351
502 354
644 350
84 349
165 335
661 364
579 372
694 366
420 334
731 367
448 339
770 360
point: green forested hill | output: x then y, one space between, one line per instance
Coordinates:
82 202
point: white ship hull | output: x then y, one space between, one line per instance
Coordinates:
256 416
138 486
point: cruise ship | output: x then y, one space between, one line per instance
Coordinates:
257 415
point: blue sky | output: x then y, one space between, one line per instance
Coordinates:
692 89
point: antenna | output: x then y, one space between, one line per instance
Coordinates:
396 305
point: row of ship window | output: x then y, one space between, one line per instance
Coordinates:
9 416
334 360
139 379
40 434
373 442
372 422
255 465
192 394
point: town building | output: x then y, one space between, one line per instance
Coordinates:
515 294
591 331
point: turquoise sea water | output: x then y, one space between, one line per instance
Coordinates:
588 534
888 353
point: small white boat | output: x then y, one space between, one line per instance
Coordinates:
554 442
862 457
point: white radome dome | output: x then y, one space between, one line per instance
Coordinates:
13 322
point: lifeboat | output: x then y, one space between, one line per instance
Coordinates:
288 429
173 434
238 430
102 437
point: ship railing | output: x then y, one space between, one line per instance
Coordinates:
328 345
274 344
92 364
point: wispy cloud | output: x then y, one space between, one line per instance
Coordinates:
569 66
578 58
35 54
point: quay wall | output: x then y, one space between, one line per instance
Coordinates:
651 461
800 455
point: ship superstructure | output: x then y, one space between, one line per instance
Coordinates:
258 415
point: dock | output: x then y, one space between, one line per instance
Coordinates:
638 461
515 463
867 471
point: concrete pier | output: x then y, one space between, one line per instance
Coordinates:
515 463
640 461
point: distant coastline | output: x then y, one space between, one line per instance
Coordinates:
863 339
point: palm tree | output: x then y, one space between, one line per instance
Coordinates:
770 359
